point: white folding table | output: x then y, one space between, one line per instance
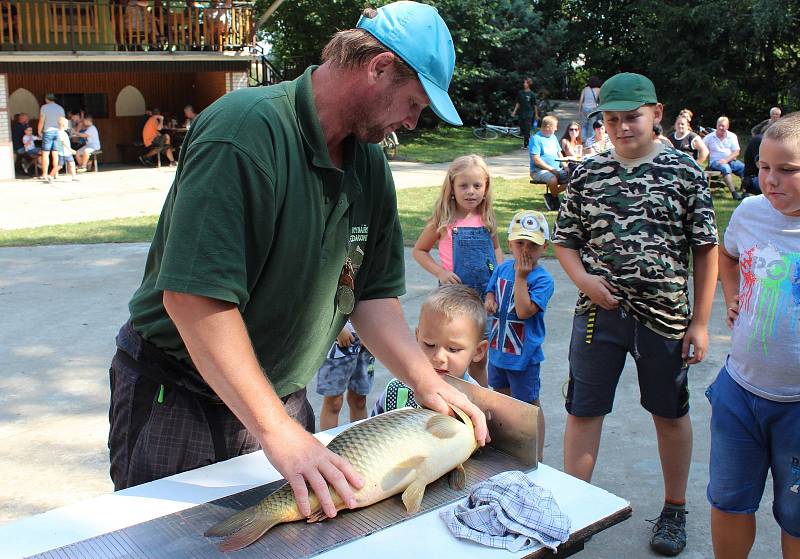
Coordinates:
590 509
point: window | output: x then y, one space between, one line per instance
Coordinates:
95 104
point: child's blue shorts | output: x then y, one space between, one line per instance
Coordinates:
749 436
351 372
524 384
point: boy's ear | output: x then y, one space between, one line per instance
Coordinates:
658 113
480 350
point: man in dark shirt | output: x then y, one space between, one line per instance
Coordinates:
526 106
21 122
750 177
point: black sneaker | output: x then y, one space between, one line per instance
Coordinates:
145 162
669 531
551 202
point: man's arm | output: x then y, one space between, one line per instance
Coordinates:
40 124
218 343
733 155
705 283
381 326
515 109
540 164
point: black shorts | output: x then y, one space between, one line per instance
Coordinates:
601 341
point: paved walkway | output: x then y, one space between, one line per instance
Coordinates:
133 192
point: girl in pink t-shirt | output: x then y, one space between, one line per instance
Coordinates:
464 226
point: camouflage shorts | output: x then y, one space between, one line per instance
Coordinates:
351 372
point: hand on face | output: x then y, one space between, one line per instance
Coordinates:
523 265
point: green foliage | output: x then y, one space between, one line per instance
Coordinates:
734 57
497 42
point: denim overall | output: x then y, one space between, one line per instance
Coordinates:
473 257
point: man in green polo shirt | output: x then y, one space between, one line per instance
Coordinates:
281 222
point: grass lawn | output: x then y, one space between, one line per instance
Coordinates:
443 144
415 206
122 230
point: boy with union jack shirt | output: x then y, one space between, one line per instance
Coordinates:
516 299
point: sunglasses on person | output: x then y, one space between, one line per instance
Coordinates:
573 130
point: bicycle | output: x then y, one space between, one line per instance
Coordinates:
389 145
488 131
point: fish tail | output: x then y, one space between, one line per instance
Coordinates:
243 528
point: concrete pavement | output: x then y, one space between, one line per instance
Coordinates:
62 306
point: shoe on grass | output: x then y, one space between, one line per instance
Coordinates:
552 203
669 531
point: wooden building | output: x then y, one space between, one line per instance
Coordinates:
116 58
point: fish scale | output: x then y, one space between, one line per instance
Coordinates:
402 450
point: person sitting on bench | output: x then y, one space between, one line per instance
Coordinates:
544 149
155 140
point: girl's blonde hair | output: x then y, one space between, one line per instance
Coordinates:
444 212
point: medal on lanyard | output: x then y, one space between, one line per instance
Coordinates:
345 296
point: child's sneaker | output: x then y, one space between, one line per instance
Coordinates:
669 531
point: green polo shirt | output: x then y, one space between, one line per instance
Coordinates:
259 216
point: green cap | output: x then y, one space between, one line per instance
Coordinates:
625 92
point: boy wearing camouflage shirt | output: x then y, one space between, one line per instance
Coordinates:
629 221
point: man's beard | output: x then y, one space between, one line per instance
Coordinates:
365 118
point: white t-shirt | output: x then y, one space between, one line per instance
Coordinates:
721 148
93 137
64 147
765 344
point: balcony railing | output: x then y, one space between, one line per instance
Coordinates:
42 25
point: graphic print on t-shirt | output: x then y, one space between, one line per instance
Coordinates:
507 333
769 291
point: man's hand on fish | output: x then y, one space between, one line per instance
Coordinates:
434 393
301 458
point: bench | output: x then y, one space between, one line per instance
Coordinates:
94 160
139 150
715 179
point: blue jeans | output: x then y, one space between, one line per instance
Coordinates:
750 436
473 257
50 141
736 167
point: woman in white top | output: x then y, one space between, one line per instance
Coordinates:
590 97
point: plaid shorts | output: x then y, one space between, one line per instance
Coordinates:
352 372
157 430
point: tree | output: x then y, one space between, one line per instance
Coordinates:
733 57
497 43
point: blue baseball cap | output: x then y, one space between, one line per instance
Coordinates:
417 34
